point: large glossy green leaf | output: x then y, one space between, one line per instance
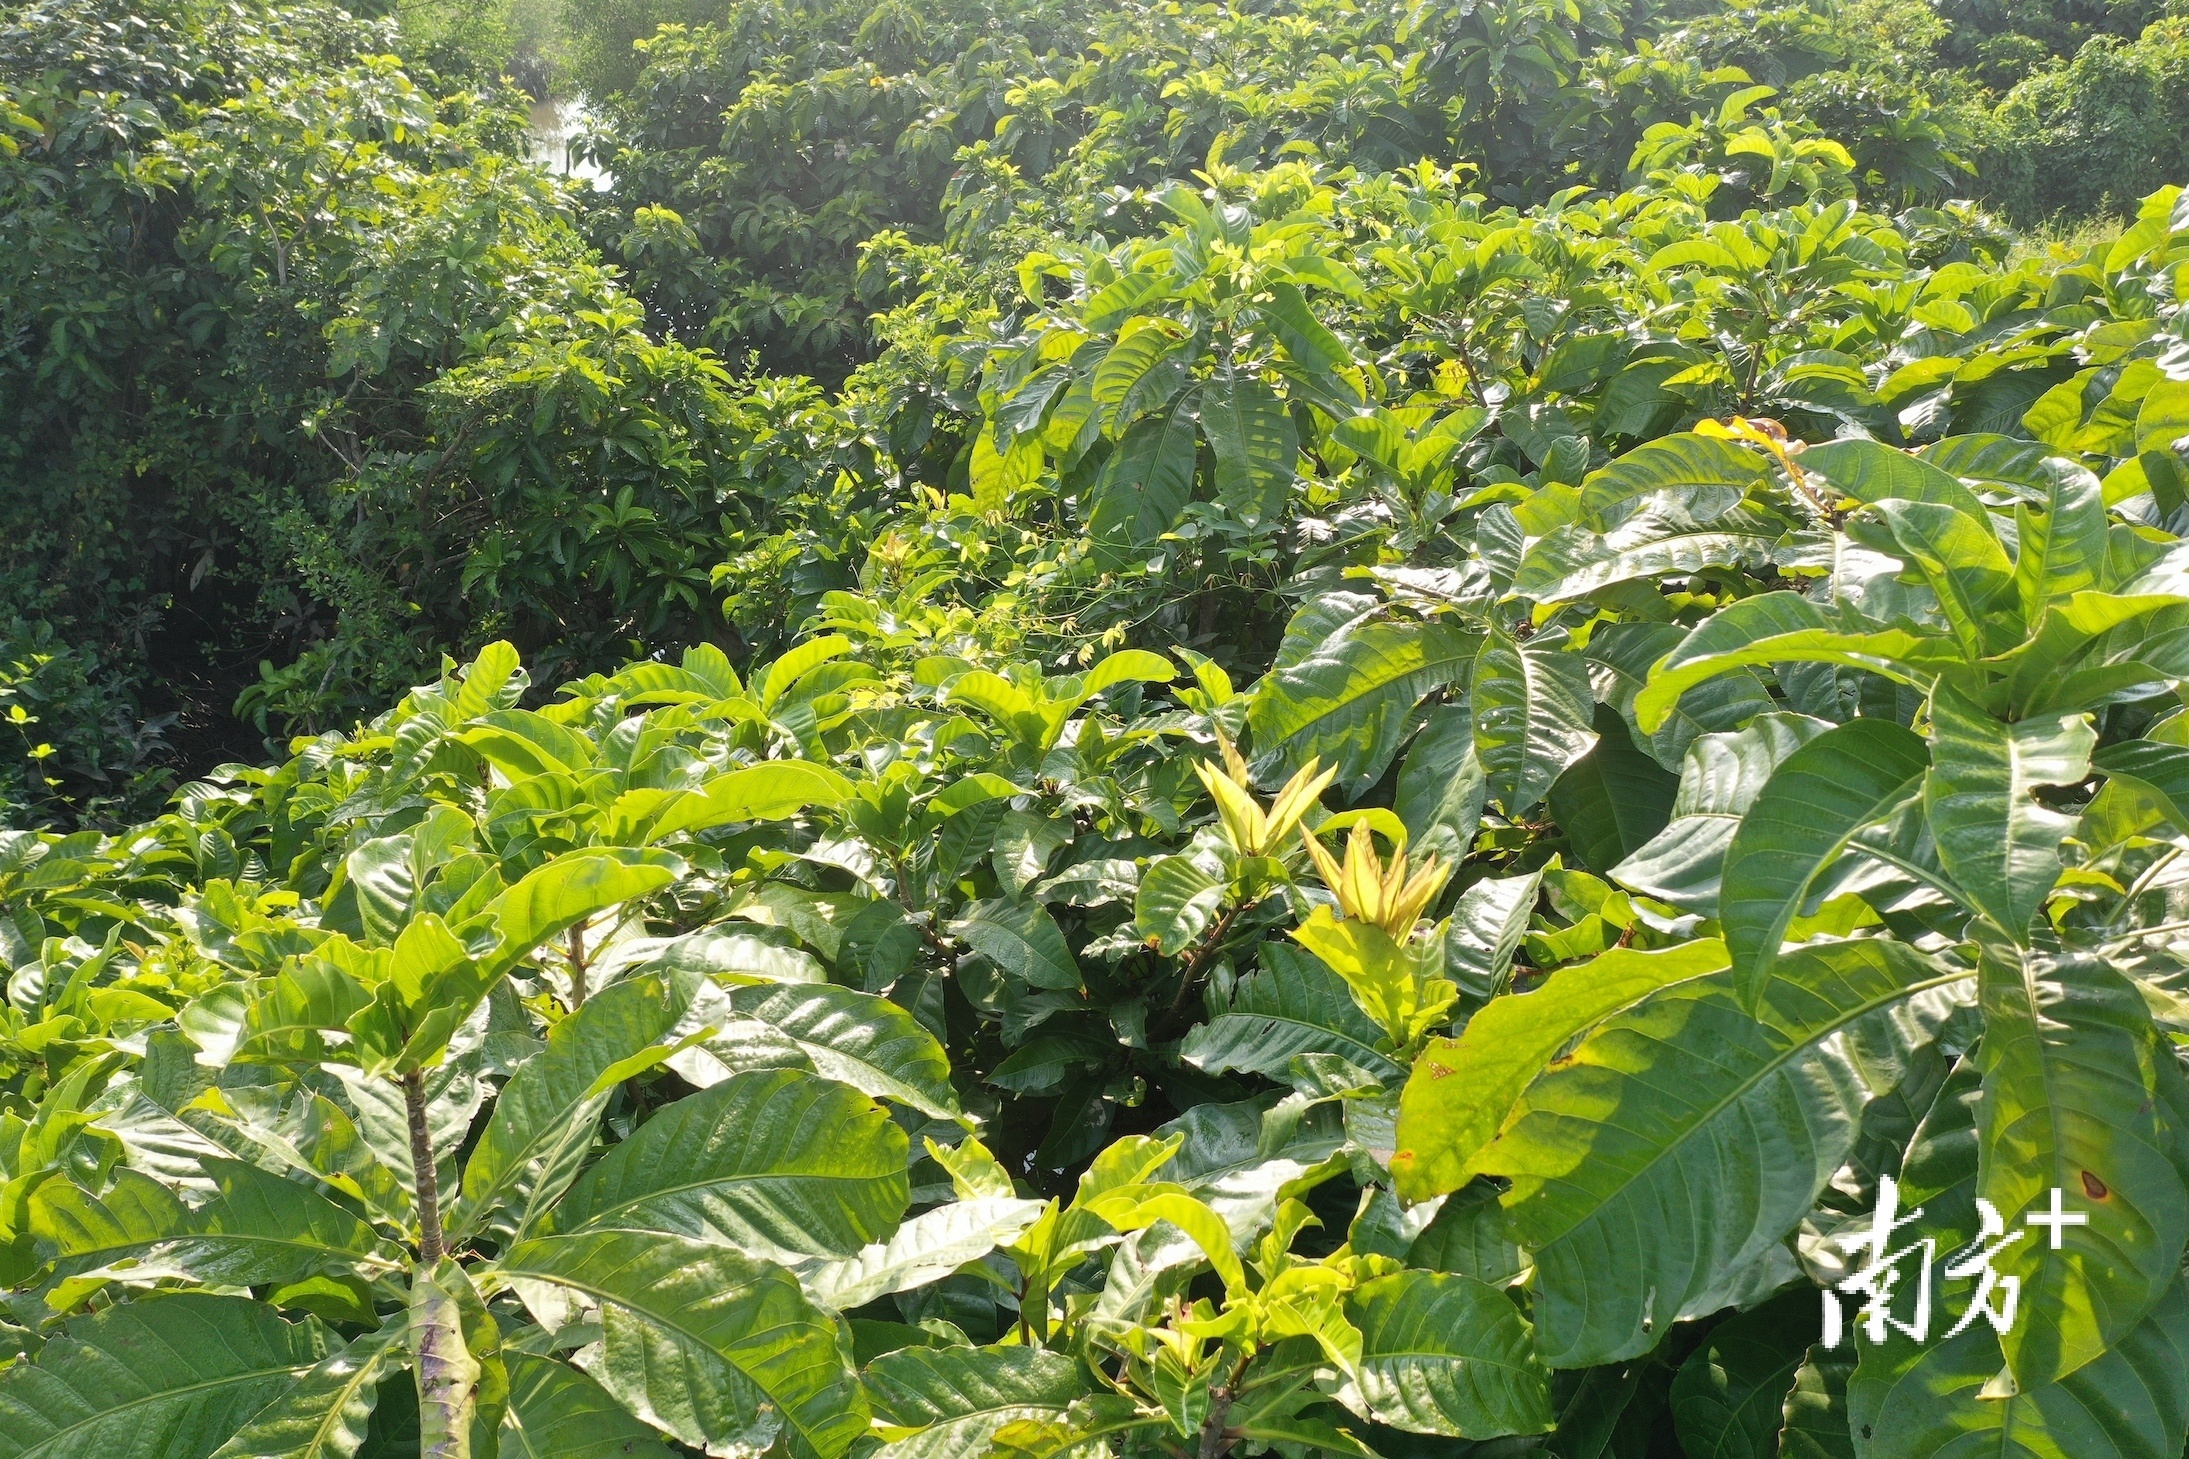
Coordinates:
1534 716
2000 845
1440 788
1869 471
568 890
854 1038
161 1378
1485 931
705 1342
2162 769
324 1414
1292 1006
1175 903
1620 657
773 791
1797 825
771 1161
2080 1095
1022 939
545 1119
1913 1397
1309 343
957 1398
1707 475
1917 1401
2060 548
1348 700
1658 541
1729 1398
1467 1235
1720 779
1685 1138
1462 1090
1146 483
1785 627
927 1248
1445 1354
260 1228
557 1412
1959 556
1252 437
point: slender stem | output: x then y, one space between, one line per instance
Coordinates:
576 947
1214 1441
1201 954
431 1244
2142 932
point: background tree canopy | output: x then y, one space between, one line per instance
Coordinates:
1314 728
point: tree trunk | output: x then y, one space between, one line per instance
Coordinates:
448 1375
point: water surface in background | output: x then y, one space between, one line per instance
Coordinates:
555 123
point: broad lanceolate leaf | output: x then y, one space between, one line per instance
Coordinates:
1485 931
1534 716
705 1342
261 1228
925 1249
854 1038
1175 903
1778 628
1347 702
1022 939
2130 1402
569 889
1815 799
955 1399
1708 475
772 791
1871 472
1446 1354
772 1161
162 1378
1720 779
324 1414
2080 1095
1620 657
2061 549
545 1119
1250 432
1441 789
1462 1090
1959 556
1685 1138
2001 847
1146 483
1467 1236
557 1412
1657 542
1292 1006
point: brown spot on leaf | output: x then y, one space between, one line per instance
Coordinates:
2094 1187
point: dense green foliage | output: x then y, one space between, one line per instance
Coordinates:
319 382
1410 700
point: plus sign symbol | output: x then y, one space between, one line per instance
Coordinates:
2057 1219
